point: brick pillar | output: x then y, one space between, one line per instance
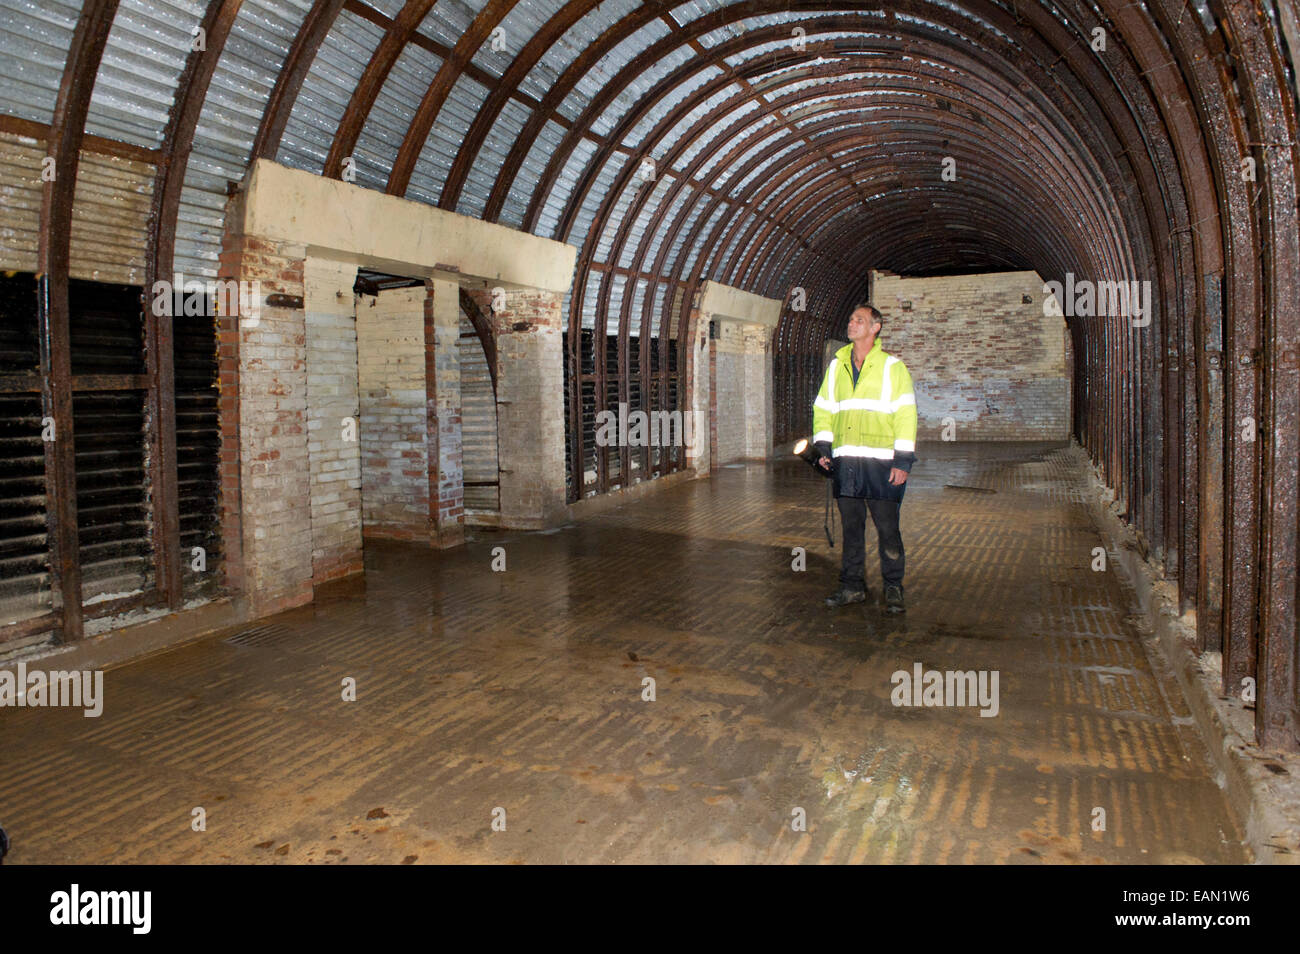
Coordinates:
443 413
333 444
274 493
530 408
758 391
700 369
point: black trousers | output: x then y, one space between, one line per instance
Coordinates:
853 521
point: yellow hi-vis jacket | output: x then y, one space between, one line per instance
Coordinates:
867 429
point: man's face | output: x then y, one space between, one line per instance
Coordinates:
862 327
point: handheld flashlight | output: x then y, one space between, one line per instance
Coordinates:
805 450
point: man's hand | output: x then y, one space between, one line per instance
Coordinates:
824 463
897 476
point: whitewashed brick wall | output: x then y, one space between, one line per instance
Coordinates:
391 376
333 446
980 354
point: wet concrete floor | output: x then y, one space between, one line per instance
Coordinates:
516 700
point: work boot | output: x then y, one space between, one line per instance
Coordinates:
844 596
894 599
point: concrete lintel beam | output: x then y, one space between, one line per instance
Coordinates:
724 303
335 219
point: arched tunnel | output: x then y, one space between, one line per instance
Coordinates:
480 228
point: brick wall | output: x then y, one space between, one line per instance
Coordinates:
758 387
443 413
268 509
333 442
742 391
979 353
393 428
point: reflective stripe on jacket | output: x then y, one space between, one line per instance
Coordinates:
869 428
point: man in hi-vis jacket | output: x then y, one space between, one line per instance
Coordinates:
864 427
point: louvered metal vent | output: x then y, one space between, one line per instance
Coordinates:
112 508
587 360
613 460
110 433
106 325
198 453
24 545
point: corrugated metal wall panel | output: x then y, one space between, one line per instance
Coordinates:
541 78
34 40
709 171
636 234
457 115
449 19
598 77
753 137
740 108
136 86
500 141
636 90
608 318
553 205
735 188
693 10
689 261
807 183
612 221
595 196
390 8
109 216
674 325
656 317
20 201
666 223
478 423
521 24
674 253
678 94
738 256
325 93
587 393
254 53
530 171
589 299
388 122
721 254
634 315
782 45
